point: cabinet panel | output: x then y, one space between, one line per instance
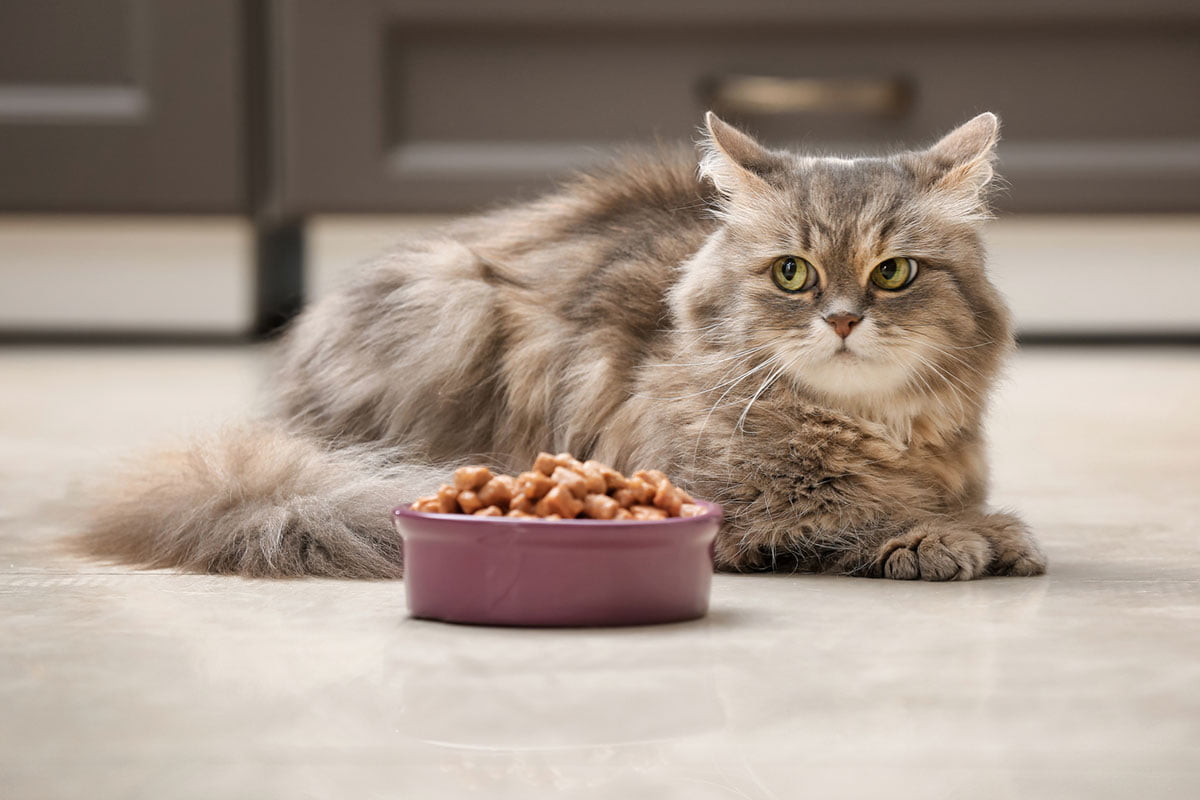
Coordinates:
69 42
122 105
412 108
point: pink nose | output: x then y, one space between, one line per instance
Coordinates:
842 323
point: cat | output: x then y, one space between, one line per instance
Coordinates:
809 341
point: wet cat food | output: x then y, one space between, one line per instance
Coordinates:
561 487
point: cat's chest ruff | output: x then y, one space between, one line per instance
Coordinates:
895 422
911 423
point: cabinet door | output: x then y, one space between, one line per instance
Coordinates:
122 105
426 105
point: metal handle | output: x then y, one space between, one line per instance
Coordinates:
761 94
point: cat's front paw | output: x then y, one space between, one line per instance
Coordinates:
959 549
935 553
1014 550
738 554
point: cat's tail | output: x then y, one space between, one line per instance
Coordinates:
256 500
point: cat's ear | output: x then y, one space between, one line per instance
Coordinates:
962 159
733 160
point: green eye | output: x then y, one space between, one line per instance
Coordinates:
793 274
895 273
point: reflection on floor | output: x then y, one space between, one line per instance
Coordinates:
1079 684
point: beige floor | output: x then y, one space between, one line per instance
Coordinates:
1084 683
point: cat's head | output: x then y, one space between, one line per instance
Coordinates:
861 279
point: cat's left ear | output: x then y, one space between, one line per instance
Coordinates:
733 160
962 159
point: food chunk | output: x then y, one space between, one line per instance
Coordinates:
428 505
561 501
652 477
447 498
469 502
523 504
570 480
498 491
545 464
648 512
600 506
533 485
624 497
490 511
670 497
569 461
641 490
612 478
471 478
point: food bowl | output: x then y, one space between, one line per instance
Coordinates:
571 572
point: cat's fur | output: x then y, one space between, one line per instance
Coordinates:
631 317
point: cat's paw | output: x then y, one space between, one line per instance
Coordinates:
935 553
736 554
1014 550
960 549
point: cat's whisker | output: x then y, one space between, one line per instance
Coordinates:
765 385
960 362
909 327
740 354
940 350
709 390
714 406
930 393
949 377
956 387
708 327
936 396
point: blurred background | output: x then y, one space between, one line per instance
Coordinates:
200 168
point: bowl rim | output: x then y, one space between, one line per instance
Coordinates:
711 511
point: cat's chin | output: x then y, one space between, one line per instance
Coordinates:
869 388
852 376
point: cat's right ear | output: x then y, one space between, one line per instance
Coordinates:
733 160
963 159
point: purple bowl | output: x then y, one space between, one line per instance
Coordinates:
577 572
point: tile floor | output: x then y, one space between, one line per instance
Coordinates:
1084 683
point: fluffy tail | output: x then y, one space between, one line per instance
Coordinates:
257 501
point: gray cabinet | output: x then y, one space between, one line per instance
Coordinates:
123 106
284 108
433 106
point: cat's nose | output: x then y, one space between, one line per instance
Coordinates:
843 322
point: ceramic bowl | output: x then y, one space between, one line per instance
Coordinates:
578 572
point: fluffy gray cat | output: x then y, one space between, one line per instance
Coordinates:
809 341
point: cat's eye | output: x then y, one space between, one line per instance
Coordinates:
793 274
895 273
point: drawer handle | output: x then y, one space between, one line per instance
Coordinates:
761 94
